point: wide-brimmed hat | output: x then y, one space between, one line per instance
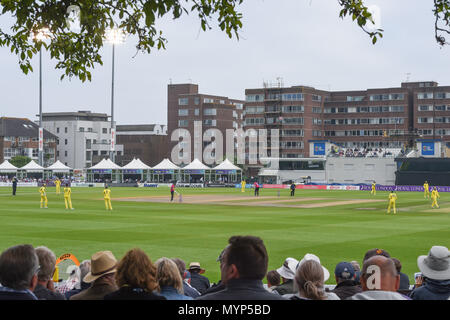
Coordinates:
102 263
288 269
310 256
196 266
436 265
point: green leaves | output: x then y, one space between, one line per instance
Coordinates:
77 54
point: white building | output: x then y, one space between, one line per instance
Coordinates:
83 137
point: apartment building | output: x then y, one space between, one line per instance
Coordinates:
187 107
371 118
84 137
19 137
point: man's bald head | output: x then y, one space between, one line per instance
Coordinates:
379 273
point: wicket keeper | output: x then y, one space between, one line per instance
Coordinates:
392 199
434 196
107 197
67 197
426 190
43 192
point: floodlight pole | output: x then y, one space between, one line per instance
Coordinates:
40 152
112 155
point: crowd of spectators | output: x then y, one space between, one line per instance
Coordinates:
26 273
364 152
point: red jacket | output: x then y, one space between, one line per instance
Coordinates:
172 188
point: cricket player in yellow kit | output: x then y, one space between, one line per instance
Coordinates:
243 186
374 190
434 196
58 186
67 197
43 192
426 190
107 197
392 199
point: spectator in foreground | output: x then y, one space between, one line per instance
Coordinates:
219 285
19 266
357 268
85 268
273 280
169 280
188 290
309 279
404 279
287 274
376 252
435 268
345 276
243 267
135 277
72 281
198 281
45 289
379 280
101 277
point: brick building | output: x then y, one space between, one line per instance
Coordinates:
187 107
19 137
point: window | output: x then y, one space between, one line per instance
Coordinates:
317 133
183 101
293 121
57 130
317 121
254 110
183 112
316 110
316 98
104 130
254 97
88 144
425 95
440 108
208 100
210 112
65 141
196 100
293 109
425 108
65 130
239 106
183 123
254 121
292 97
292 133
89 129
65 153
357 98
209 122
197 112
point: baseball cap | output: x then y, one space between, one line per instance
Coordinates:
344 271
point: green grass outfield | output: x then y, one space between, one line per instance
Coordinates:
198 232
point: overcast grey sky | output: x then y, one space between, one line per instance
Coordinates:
302 41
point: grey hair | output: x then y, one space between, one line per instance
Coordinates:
47 261
18 265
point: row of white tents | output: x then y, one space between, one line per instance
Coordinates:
165 171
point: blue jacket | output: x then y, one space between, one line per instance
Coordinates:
170 293
432 290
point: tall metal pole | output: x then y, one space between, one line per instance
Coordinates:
41 153
112 106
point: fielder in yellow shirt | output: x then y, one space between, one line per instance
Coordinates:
426 190
107 197
43 192
434 196
243 186
392 199
67 197
58 186
374 189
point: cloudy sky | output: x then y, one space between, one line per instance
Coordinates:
303 42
